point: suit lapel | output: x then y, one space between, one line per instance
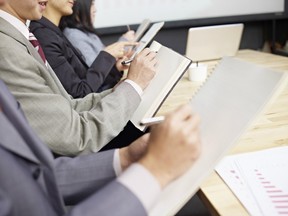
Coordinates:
17 137
11 31
11 141
18 143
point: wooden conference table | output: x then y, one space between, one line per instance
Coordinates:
270 130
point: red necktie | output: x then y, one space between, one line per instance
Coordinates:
33 40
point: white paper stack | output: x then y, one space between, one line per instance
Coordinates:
259 180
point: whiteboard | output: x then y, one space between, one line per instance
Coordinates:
121 12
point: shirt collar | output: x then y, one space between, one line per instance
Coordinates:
15 22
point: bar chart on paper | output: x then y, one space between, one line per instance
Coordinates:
259 180
273 191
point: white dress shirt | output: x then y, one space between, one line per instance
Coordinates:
136 178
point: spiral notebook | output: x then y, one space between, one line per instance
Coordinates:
229 101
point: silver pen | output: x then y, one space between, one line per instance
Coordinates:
152 121
127 61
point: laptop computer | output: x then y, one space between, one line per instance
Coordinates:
213 42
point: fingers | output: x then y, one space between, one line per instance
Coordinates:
124 44
190 120
142 68
187 121
129 35
128 54
129 43
126 47
130 32
182 113
192 131
146 52
149 56
145 137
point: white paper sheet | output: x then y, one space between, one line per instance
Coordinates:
259 180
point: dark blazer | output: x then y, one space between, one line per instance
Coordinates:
77 78
32 183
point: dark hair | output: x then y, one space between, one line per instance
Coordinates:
80 19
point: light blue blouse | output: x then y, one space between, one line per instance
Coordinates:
88 44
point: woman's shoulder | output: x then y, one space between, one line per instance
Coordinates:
78 34
72 31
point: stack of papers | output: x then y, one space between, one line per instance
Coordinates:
259 180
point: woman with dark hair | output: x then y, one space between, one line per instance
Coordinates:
77 77
79 30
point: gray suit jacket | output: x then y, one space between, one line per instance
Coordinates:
32 183
69 126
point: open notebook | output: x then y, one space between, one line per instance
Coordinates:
231 98
170 68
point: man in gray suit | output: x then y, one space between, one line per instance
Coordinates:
33 183
69 126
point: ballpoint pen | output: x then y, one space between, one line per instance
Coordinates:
127 61
152 121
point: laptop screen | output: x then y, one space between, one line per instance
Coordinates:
213 42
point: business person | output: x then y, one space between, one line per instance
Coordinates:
76 76
68 126
79 30
34 183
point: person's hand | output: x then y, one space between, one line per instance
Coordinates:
173 146
120 66
142 69
129 35
128 54
134 151
118 49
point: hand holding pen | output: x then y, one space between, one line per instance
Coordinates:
178 139
118 49
143 69
129 35
129 55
